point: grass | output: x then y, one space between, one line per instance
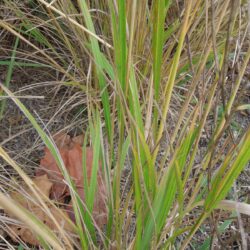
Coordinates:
9 75
153 73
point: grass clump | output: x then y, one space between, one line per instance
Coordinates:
153 74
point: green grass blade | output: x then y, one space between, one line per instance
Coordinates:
9 76
223 181
166 191
24 64
172 76
95 49
95 165
159 10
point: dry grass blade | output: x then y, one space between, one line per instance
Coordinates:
49 5
30 220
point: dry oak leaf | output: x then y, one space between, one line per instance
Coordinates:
71 153
48 166
75 170
29 202
78 139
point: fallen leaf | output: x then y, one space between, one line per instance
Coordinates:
62 140
78 139
29 202
43 184
71 153
48 166
76 172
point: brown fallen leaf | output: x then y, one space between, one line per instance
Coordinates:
78 139
29 202
49 167
76 172
71 153
62 140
